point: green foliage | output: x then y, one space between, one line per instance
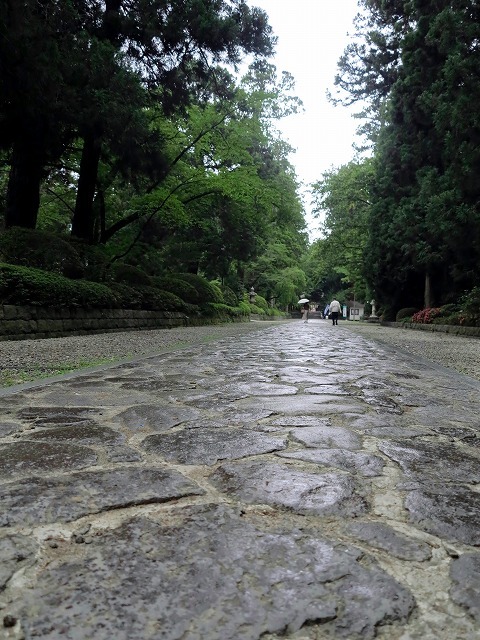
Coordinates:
205 292
127 297
94 259
290 282
416 65
262 303
223 311
130 275
342 199
469 305
177 286
244 307
74 79
41 250
229 296
406 312
158 300
470 301
180 170
150 297
27 286
256 310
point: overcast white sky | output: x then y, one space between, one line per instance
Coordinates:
312 35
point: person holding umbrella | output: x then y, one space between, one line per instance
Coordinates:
305 309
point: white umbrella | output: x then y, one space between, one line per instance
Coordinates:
303 301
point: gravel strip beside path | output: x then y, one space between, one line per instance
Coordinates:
460 353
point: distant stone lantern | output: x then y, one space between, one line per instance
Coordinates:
374 311
252 295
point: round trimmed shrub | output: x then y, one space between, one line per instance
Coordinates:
40 250
159 300
262 303
127 297
178 287
130 275
205 291
229 296
406 312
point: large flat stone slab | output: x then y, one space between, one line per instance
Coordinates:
234 416
28 458
364 464
381 536
63 499
62 395
208 446
299 421
16 552
206 573
397 432
465 575
433 460
87 434
326 389
304 404
7 428
244 389
52 416
157 418
307 376
450 512
325 436
257 482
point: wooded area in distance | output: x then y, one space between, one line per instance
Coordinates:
134 160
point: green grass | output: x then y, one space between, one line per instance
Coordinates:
10 377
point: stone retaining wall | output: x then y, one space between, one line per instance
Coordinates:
443 328
19 323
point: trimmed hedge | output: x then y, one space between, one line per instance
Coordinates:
144 297
130 275
27 286
229 296
40 250
178 287
205 291
217 309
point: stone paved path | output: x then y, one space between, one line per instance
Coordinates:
297 482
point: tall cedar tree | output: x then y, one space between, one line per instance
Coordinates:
424 239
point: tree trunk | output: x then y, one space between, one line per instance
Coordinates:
23 191
427 295
83 223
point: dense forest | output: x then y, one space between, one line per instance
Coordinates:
403 224
138 167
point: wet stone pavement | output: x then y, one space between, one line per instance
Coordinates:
296 482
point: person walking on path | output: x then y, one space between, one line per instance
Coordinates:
305 311
335 310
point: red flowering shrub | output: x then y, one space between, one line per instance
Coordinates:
426 316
